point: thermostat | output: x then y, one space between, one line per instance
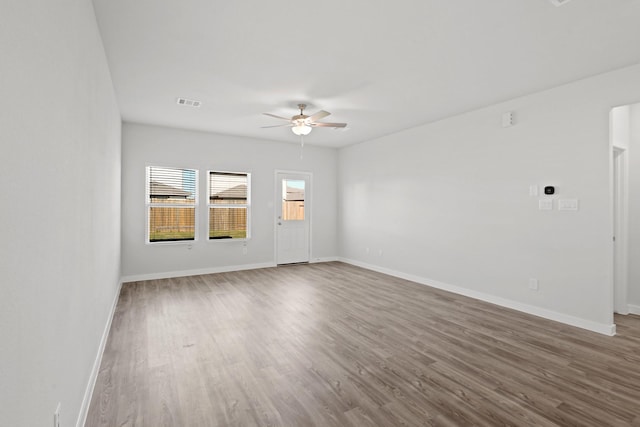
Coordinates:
549 190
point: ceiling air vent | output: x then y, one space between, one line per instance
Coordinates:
189 102
558 3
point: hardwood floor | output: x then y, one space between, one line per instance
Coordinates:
335 345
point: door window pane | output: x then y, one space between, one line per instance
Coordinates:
293 200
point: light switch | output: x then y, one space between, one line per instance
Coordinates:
533 190
545 204
568 205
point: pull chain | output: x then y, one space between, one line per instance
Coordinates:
301 146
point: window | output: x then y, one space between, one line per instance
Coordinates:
229 201
172 200
292 200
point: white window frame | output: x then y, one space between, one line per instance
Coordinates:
228 205
149 205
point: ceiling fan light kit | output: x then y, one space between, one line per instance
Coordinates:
301 129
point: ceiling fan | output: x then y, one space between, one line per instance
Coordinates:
301 124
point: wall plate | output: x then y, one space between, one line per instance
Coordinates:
545 204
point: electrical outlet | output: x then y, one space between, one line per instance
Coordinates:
379 252
366 250
533 284
244 250
56 416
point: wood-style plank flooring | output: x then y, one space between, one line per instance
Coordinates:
335 345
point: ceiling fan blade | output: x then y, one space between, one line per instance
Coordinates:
278 117
329 125
317 116
277 126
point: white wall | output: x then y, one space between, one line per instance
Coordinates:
60 216
449 202
634 209
158 146
620 126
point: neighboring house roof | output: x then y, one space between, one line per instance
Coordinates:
239 192
294 194
158 189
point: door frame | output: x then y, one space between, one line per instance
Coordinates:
620 216
308 203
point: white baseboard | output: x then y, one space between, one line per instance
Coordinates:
601 328
86 400
634 309
183 273
324 259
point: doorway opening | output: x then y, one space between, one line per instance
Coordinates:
625 208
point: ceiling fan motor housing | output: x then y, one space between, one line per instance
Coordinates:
301 117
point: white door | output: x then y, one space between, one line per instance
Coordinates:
292 218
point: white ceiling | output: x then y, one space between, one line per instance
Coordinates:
379 65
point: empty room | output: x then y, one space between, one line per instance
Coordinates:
410 213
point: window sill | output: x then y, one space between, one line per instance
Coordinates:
246 239
171 242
